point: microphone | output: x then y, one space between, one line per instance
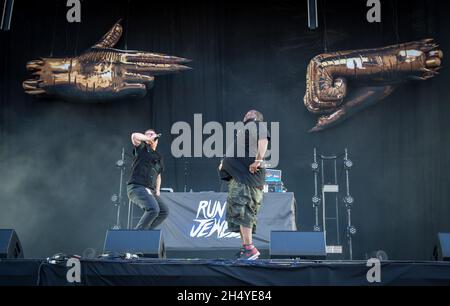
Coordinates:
158 136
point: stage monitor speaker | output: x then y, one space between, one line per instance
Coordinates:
10 246
292 244
7 11
148 243
444 246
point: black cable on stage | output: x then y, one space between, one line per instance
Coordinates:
38 280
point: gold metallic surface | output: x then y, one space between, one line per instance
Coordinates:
101 73
340 83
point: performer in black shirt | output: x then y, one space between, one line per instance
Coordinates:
242 167
144 185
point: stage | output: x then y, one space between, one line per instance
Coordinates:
158 139
199 272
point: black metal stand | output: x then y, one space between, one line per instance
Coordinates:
331 186
117 199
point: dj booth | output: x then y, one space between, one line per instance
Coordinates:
196 226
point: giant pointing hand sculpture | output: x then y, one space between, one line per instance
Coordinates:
341 83
101 73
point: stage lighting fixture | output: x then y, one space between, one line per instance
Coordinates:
312 14
89 253
120 163
8 6
131 256
348 164
351 230
316 201
348 200
380 254
315 167
57 258
317 228
115 199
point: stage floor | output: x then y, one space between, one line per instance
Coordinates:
200 272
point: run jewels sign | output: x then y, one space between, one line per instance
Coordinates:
210 220
197 220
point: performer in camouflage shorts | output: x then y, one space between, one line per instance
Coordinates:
246 178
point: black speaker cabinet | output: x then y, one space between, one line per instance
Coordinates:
292 244
10 246
148 243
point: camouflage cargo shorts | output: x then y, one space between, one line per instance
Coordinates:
243 203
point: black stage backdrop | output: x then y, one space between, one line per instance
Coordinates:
58 159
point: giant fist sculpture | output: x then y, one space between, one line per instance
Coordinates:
339 84
101 73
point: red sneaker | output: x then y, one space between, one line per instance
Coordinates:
250 253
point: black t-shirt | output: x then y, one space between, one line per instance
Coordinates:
242 154
147 165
